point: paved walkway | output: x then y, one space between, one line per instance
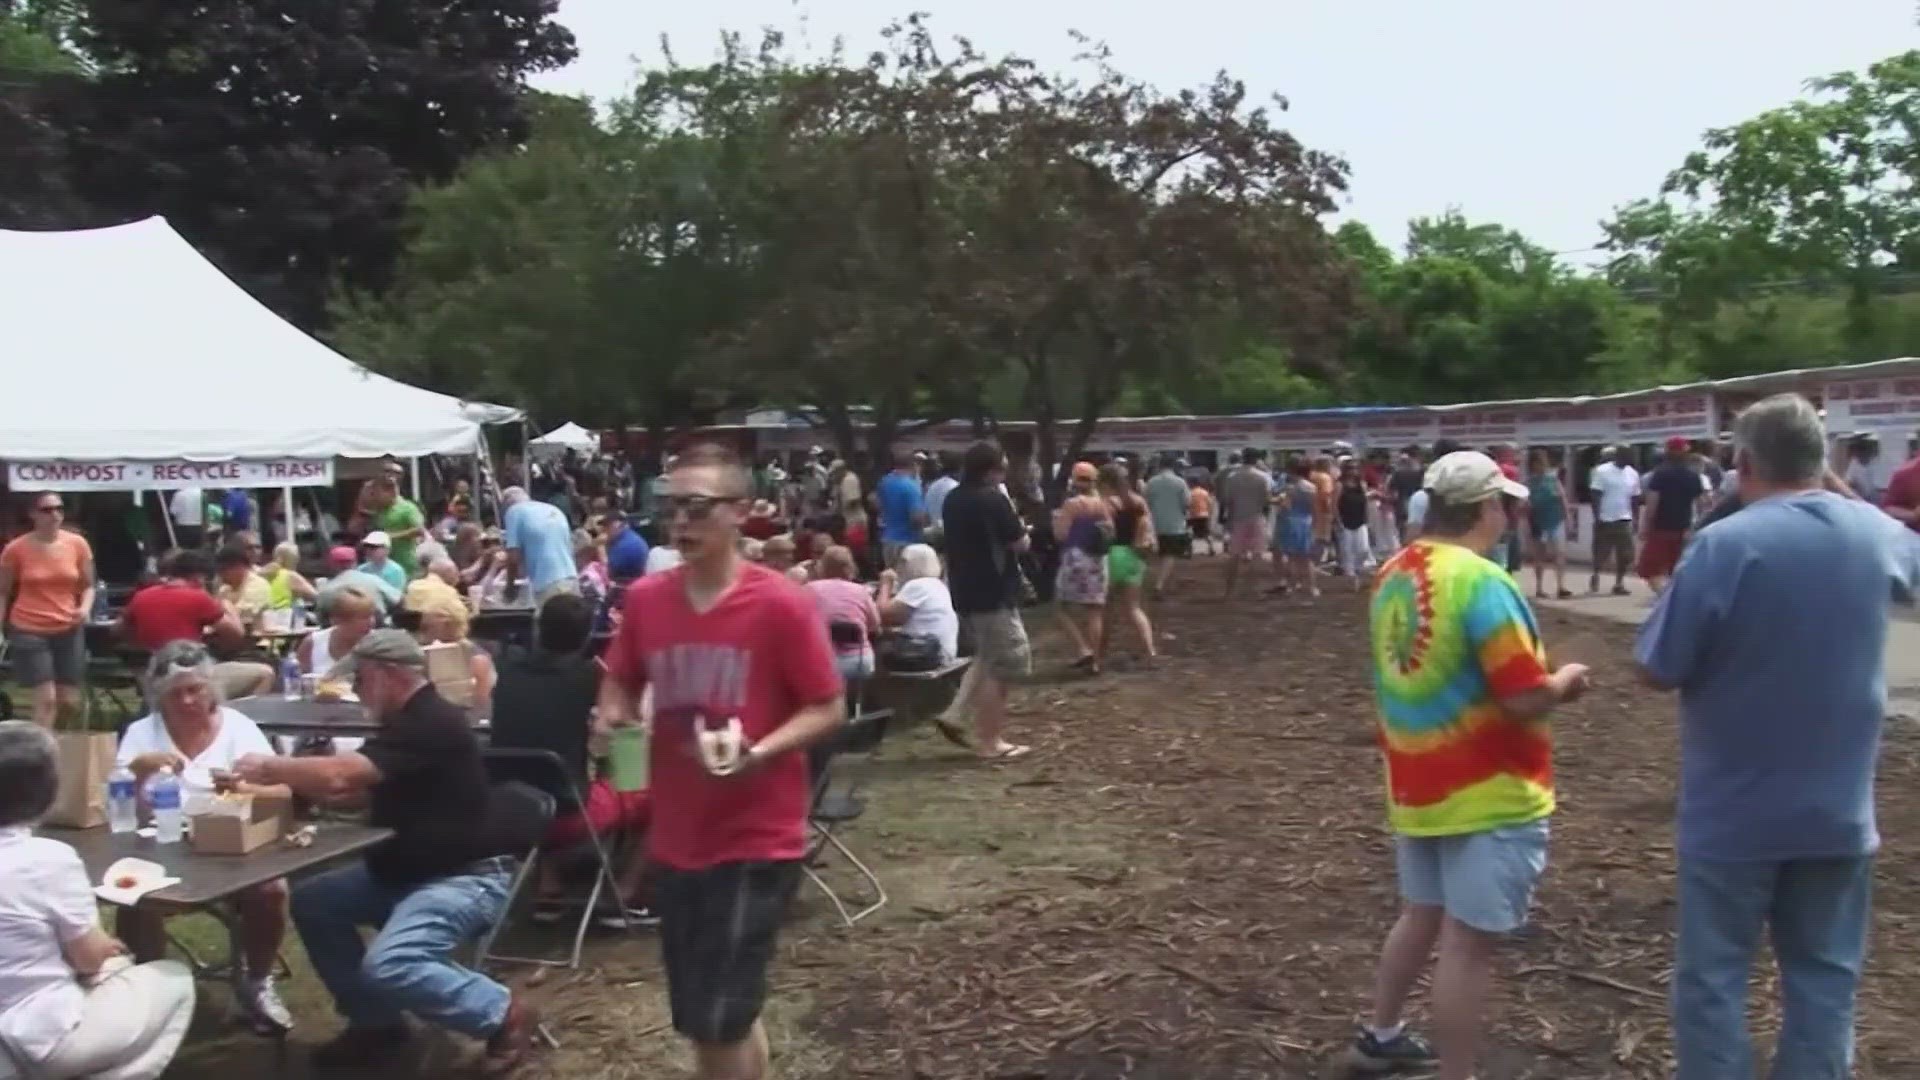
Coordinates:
1903 637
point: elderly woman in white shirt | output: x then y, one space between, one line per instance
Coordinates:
192 733
71 1002
921 606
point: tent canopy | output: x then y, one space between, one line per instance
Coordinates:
569 435
126 343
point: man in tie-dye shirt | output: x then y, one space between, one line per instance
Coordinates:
1464 693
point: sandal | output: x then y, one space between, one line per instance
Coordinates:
1009 752
1566 594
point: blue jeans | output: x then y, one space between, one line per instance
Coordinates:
1817 910
408 967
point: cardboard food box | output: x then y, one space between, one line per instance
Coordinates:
241 826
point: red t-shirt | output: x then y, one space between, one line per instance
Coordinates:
170 611
760 654
1903 490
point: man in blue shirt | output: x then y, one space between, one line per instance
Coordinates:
626 549
902 510
238 508
539 545
1774 633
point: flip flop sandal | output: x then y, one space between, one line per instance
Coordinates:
547 912
1013 752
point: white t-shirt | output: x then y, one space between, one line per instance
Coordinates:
1614 487
937 493
933 614
663 558
188 507
1417 509
46 902
237 735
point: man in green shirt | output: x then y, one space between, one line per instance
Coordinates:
400 518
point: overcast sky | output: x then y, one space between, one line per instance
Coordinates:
1539 114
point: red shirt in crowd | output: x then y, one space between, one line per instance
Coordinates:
1903 490
169 611
760 654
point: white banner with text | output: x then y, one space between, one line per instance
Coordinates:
169 474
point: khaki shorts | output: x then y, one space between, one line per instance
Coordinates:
1000 644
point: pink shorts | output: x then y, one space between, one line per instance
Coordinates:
1247 538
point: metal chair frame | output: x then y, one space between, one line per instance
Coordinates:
603 879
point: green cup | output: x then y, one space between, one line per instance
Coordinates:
627 751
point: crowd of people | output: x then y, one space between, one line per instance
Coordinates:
773 592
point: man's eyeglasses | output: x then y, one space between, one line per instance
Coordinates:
698 507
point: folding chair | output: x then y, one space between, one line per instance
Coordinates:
522 814
861 733
544 771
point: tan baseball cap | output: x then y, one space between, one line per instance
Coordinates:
1469 476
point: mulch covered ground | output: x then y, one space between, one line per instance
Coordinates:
1190 879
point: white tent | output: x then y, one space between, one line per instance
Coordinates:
568 436
126 343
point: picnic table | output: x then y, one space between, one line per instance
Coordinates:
277 714
211 882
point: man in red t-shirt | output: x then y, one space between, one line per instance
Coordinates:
176 608
1901 500
742 680
179 608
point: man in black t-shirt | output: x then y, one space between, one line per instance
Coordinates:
438 883
1674 490
985 539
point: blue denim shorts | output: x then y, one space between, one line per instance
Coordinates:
1482 879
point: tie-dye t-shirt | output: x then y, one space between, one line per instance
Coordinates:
1451 635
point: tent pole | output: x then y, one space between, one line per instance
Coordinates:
286 510
493 478
479 504
413 464
166 515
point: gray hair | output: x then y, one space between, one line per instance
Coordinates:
1783 440
919 561
177 662
513 495
29 773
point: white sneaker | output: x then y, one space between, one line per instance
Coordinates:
264 1010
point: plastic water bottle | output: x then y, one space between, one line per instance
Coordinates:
164 792
299 618
290 678
102 608
123 809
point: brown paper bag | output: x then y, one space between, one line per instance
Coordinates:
86 760
450 669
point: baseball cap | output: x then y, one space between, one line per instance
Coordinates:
1084 470
390 647
376 538
1678 445
1469 476
341 557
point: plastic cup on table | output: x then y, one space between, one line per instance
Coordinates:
627 752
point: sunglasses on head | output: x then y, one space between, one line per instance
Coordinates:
698 507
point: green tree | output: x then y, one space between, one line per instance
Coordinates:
1813 198
1477 311
580 275
283 138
